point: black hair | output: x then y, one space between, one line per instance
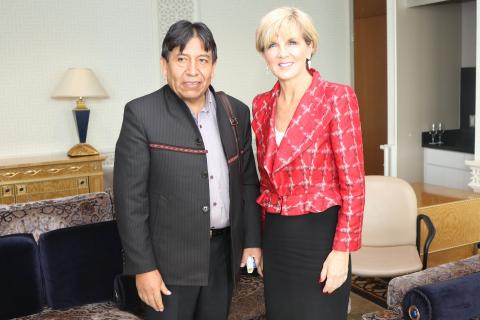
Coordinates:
182 31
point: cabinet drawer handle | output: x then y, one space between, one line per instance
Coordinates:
21 189
6 191
82 182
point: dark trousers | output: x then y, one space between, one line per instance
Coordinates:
210 302
295 248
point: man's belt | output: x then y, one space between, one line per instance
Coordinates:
219 232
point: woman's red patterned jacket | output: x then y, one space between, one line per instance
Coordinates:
319 163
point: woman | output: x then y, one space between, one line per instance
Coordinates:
310 160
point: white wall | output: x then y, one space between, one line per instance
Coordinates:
120 40
469 24
39 40
428 78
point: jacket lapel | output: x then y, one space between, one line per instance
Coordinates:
311 116
179 110
265 119
271 148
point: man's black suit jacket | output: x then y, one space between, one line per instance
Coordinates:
161 188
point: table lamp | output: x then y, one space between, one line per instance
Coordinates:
80 83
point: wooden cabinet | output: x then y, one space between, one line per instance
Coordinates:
456 216
446 168
36 178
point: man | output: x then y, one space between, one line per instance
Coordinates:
184 190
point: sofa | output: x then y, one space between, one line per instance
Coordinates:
60 256
398 287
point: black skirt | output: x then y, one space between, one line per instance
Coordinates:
295 248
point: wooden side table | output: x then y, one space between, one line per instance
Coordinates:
36 178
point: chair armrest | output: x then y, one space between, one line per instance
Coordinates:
430 235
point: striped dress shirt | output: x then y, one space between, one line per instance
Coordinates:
216 162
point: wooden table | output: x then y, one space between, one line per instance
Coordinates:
46 177
456 216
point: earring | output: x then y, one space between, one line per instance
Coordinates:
309 63
267 69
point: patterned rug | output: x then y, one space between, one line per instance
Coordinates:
373 289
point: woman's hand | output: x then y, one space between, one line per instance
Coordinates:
335 270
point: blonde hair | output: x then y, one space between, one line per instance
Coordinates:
285 20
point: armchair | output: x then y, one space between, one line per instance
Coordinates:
391 230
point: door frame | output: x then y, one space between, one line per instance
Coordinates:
389 149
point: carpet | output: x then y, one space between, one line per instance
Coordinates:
373 289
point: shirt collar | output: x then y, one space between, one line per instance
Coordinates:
209 103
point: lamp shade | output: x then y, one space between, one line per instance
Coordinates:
79 82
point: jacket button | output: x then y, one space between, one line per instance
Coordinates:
205 209
205 174
199 142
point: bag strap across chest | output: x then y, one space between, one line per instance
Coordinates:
233 123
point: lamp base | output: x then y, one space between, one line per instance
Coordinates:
82 149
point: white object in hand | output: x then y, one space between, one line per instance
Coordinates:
251 264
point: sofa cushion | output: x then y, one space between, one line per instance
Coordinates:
457 298
45 215
79 264
21 290
94 311
398 287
